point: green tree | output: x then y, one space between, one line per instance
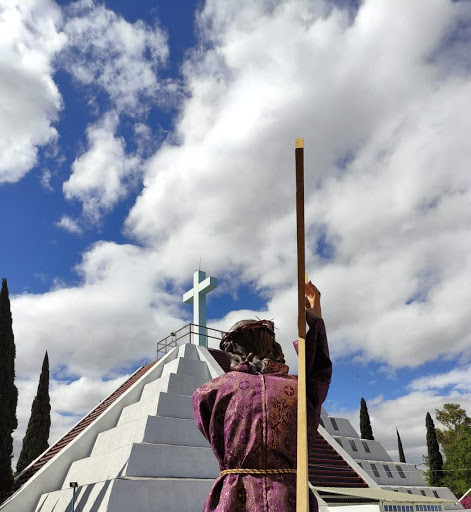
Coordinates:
37 433
455 440
400 449
456 422
8 392
457 464
366 432
434 458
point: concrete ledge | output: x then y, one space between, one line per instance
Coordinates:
163 460
132 495
151 429
103 466
189 351
173 383
162 404
123 435
169 495
187 367
173 431
145 460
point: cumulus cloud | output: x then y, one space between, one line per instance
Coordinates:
69 224
121 58
30 38
107 54
103 174
387 186
459 379
83 394
46 180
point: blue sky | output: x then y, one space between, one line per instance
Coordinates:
139 138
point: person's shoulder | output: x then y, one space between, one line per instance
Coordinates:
235 376
218 381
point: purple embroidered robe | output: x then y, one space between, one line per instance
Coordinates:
250 420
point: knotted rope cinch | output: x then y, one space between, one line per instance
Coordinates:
256 471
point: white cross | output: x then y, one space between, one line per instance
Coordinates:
202 285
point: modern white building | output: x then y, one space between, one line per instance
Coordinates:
373 459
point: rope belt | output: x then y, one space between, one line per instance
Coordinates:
256 471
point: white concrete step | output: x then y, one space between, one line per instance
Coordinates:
150 429
173 383
132 495
144 460
88 498
187 366
161 404
189 351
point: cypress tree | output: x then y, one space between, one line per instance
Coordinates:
400 449
435 459
366 432
37 433
8 392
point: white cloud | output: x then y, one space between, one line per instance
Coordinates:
69 225
111 320
29 99
122 58
387 184
103 174
81 396
459 379
46 180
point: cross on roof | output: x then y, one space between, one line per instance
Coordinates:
202 285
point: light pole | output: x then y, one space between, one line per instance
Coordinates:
74 486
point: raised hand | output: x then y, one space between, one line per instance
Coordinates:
313 300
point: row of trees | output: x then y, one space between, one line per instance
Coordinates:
454 469
37 433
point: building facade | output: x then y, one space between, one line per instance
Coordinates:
374 460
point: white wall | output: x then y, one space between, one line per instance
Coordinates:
377 452
344 427
412 476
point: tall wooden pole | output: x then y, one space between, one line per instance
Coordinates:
302 489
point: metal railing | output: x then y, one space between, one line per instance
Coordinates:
190 333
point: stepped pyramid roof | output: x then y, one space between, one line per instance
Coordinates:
59 445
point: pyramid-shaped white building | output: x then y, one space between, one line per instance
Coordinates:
140 451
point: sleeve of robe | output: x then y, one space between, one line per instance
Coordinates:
318 368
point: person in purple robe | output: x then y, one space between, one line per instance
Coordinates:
249 415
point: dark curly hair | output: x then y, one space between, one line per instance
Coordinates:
252 341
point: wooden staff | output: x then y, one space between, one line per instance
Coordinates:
302 488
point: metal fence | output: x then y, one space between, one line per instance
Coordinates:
190 333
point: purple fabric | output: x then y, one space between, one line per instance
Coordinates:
250 421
